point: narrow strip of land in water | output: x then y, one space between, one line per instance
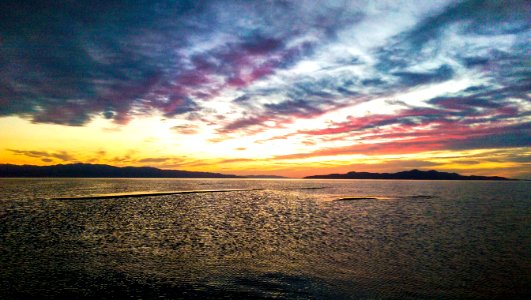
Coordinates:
152 193
146 194
356 198
362 198
305 188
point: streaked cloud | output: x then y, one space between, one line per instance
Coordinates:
61 156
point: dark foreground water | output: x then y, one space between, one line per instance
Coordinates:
419 239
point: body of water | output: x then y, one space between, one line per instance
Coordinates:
269 239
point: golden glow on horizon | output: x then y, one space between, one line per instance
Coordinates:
151 142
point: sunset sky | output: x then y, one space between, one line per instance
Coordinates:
290 88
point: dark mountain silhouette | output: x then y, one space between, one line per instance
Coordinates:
411 175
95 170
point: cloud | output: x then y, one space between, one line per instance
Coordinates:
122 61
185 129
65 64
235 160
154 160
442 73
282 113
477 17
68 63
45 156
400 147
510 137
439 47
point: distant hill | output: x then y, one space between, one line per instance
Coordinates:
101 171
411 175
264 176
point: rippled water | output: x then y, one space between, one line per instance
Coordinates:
416 239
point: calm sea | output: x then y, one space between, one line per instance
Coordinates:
417 239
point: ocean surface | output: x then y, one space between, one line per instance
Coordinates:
290 239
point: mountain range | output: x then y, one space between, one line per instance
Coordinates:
410 175
80 170
96 170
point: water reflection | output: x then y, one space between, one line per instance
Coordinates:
438 239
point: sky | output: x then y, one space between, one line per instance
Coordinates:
290 88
